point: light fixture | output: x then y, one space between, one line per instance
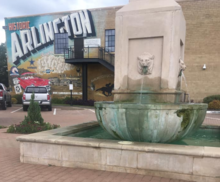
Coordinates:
204 67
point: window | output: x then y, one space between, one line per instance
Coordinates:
110 40
36 90
60 42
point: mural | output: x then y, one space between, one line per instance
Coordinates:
57 82
31 56
27 79
30 49
52 64
37 37
100 86
107 90
14 71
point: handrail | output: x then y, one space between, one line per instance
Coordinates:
89 52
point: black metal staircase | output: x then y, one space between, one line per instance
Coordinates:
90 55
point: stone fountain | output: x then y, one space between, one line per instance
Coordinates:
150 41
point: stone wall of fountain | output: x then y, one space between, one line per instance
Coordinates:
150 41
149 62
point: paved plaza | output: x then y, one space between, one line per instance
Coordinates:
11 170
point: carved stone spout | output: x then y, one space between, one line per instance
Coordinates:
145 63
182 66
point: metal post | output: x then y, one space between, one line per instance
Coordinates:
71 102
88 51
104 54
71 92
84 80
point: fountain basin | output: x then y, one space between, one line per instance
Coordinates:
56 147
156 123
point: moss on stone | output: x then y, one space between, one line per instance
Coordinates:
99 113
185 113
116 135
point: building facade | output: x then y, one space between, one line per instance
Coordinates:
78 47
61 48
202 48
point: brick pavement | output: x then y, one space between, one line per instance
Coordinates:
11 170
212 119
71 115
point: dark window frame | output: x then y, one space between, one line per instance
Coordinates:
110 40
61 41
39 90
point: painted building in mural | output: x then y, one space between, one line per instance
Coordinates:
57 49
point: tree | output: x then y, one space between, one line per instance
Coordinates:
3 65
34 112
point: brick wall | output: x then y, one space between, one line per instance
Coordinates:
202 47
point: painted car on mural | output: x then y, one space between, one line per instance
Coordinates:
5 97
27 79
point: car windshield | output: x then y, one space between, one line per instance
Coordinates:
36 90
1 88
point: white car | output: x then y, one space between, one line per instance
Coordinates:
42 96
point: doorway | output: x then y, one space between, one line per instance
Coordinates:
79 48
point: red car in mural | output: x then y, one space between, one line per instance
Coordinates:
28 78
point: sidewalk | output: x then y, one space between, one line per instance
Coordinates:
11 170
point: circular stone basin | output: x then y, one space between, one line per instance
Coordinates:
157 123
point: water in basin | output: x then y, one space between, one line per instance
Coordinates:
204 136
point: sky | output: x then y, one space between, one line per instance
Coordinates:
12 8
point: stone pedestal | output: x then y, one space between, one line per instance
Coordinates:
150 41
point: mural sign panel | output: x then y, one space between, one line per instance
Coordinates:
36 37
92 42
18 89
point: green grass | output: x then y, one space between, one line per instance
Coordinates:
1 127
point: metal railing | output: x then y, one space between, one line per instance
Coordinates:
88 53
